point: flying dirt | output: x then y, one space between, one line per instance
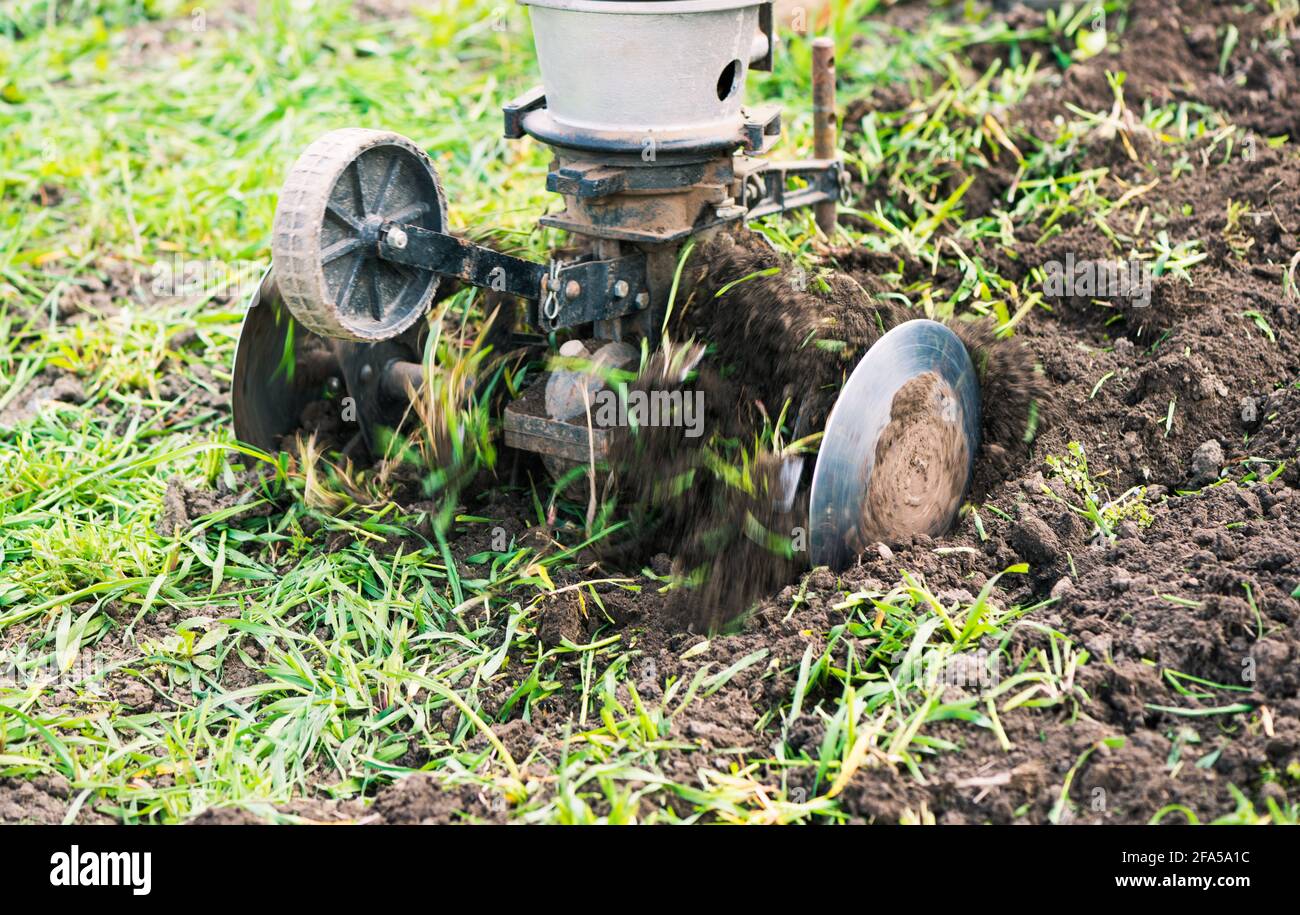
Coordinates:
911 411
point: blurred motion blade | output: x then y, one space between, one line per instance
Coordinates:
900 444
280 368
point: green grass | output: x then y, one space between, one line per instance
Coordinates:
139 133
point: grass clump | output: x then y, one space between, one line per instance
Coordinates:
1105 513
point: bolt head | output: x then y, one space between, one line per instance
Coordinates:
396 238
621 289
572 289
367 372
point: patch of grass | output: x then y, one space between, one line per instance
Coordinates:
927 663
1104 513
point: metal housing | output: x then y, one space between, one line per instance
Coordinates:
608 82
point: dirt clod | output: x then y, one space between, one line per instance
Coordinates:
1207 460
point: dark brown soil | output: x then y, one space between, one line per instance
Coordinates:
920 469
1170 52
42 801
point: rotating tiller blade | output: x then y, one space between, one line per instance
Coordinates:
281 368
899 448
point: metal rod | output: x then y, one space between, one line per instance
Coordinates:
402 377
823 77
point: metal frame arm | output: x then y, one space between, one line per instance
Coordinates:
823 186
565 294
448 255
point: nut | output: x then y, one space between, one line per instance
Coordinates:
621 289
396 238
572 289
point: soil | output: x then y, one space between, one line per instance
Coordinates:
1170 52
42 801
51 386
921 462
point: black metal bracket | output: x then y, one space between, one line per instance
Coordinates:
566 294
567 440
822 178
448 255
515 109
762 128
586 291
587 180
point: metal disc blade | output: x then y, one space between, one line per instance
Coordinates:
280 368
899 447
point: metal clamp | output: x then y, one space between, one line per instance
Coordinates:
586 291
762 128
586 181
515 109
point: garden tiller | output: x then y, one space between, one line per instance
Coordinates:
641 105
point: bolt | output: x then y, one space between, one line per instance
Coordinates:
572 290
621 289
642 299
396 238
366 373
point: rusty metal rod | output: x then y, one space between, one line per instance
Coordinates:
823 77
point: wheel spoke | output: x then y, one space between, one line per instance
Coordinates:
407 213
408 278
355 168
350 287
341 216
339 249
389 174
401 296
376 309
406 272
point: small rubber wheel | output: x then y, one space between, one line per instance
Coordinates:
324 242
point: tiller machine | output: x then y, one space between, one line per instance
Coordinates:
641 104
